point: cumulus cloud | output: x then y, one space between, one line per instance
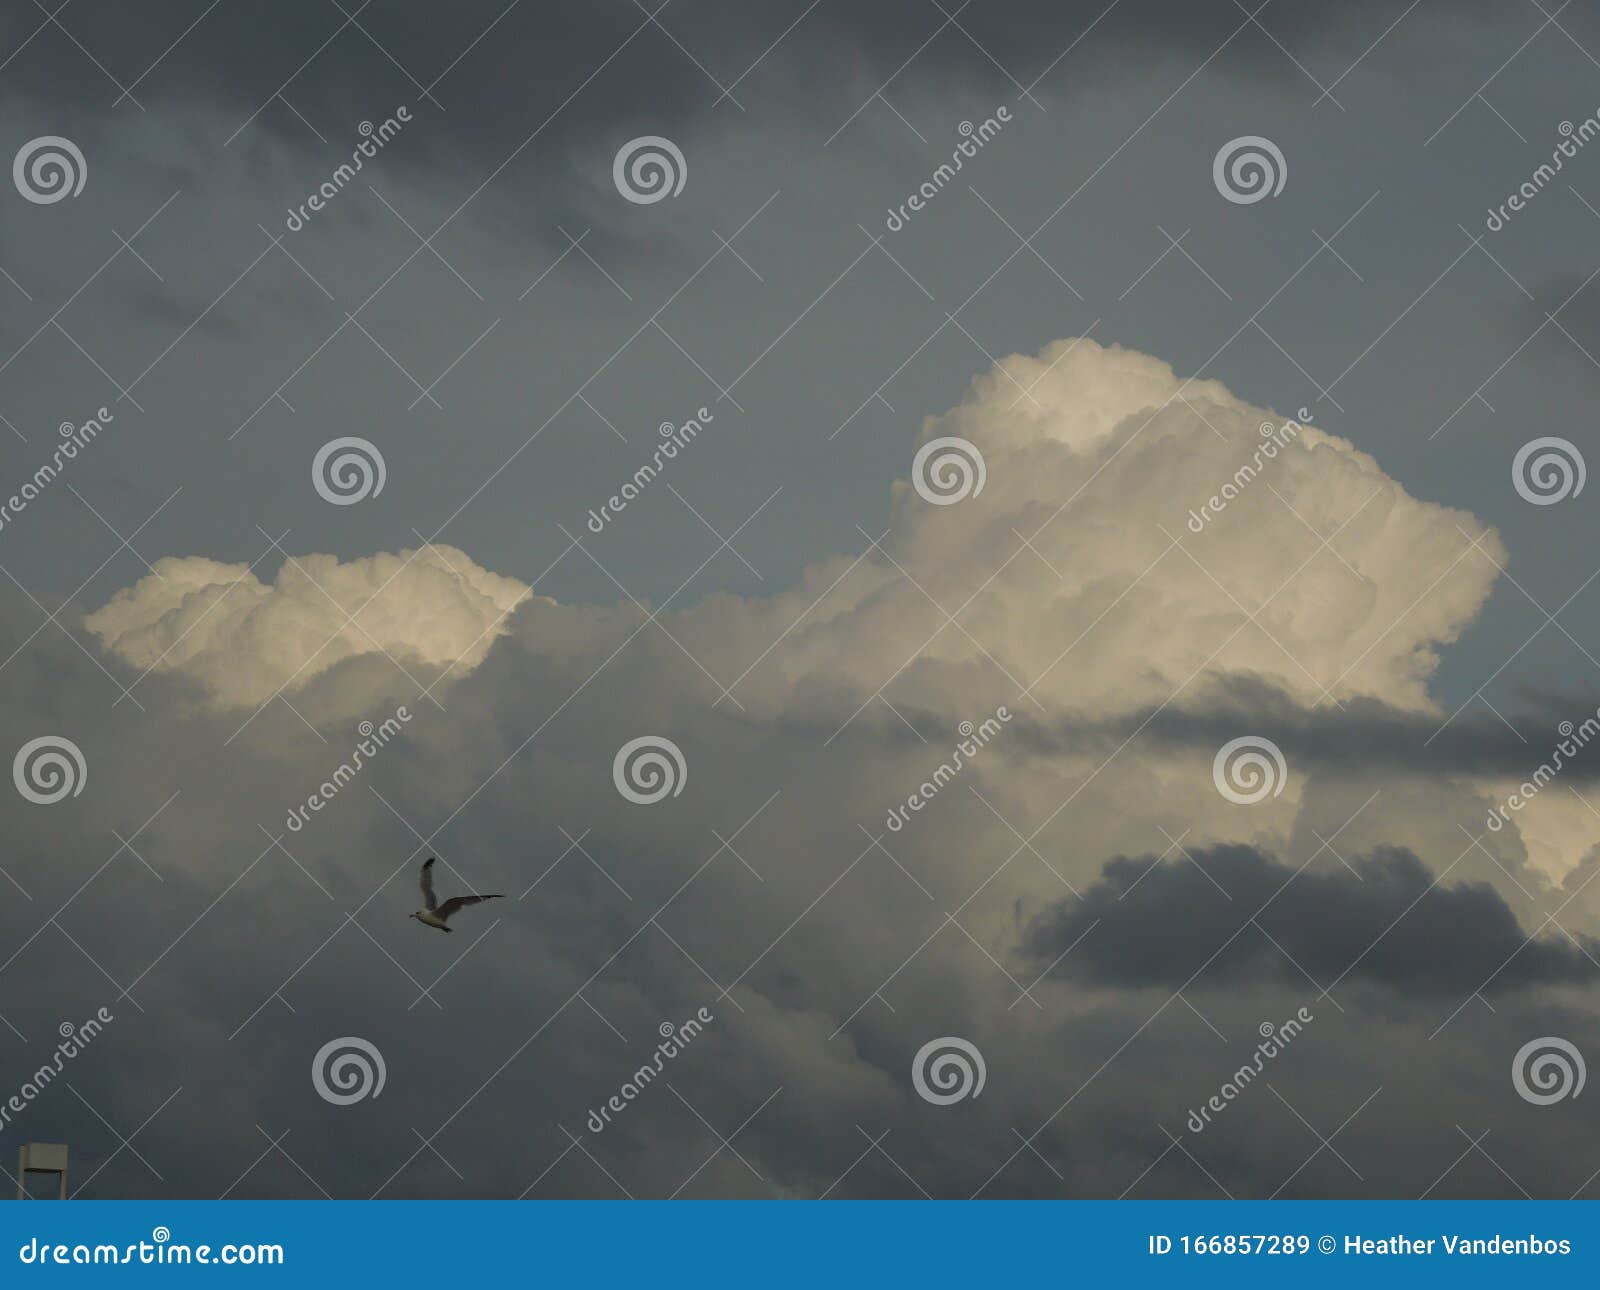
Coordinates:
1149 557
1073 587
829 960
1074 573
1096 455
243 639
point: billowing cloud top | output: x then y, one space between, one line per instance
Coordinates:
244 639
1151 567
1134 533
1103 458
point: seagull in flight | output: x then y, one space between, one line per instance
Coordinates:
433 914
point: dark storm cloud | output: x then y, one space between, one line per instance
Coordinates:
512 1057
425 38
1160 922
1361 735
245 958
495 73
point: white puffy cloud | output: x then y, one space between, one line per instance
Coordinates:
1099 614
244 639
1082 594
1075 573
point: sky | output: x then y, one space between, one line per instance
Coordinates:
1001 592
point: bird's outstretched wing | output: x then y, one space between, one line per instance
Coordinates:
459 902
429 900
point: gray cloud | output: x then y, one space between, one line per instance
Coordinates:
1361 735
1383 919
758 893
